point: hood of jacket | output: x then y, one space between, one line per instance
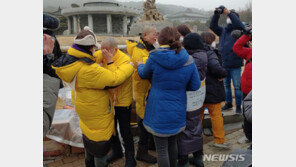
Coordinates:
67 66
169 59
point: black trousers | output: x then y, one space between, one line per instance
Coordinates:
123 115
146 138
96 152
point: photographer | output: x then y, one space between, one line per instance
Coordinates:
51 83
51 23
245 53
246 80
230 61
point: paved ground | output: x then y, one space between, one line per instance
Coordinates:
77 160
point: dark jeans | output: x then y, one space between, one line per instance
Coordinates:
123 115
233 74
144 134
167 151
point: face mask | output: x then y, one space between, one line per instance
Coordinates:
213 44
181 39
228 21
156 45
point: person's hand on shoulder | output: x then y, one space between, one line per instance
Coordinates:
139 62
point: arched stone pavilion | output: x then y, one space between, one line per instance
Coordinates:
102 16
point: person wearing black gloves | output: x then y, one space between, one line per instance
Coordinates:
51 83
230 61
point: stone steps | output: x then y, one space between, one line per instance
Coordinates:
230 119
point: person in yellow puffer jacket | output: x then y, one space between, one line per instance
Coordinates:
91 100
122 97
140 52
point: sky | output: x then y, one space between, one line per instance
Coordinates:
204 4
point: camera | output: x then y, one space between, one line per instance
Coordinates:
248 31
219 10
236 34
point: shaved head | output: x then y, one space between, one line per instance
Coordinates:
109 43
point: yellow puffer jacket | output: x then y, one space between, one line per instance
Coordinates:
92 103
140 86
122 95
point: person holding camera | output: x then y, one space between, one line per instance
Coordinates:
51 82
230 61
245 53
50 24
246 79
50 88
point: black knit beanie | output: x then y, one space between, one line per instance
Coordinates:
193 41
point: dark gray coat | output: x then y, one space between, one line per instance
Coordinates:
201 61
247 104
51 87
190 140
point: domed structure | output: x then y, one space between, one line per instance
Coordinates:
102 16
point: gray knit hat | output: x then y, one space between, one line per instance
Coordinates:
86 37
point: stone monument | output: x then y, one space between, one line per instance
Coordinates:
151 16
150 12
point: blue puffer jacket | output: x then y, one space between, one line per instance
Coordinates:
229 58
171 75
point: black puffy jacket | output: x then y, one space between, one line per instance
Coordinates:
215 92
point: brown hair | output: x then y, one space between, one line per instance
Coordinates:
170 36
208 37
183 30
